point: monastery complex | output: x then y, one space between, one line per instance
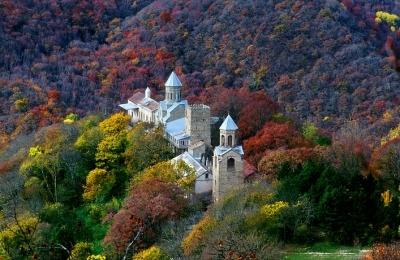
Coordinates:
187 128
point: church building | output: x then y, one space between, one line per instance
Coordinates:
187 128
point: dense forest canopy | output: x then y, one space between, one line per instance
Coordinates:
324 61
312 85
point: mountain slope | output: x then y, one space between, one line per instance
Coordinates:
324 61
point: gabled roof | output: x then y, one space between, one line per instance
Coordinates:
149 103
192 162
228 124
137 97
173 81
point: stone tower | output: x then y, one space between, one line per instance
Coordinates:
228 165
173 89
198 124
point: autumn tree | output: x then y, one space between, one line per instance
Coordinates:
311 132
224 101
259 109
231 228
271 137
386 163
99 183
146 146
136 224
273 160
178 173
16 219
350 151
152 253
109 151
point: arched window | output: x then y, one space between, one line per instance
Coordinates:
231 164
229 140
222 140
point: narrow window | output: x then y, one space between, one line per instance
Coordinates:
222 140
229 140
231 164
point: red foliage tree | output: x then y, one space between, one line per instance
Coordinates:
259 109
166 16
53 95
271 137
227 100
149 204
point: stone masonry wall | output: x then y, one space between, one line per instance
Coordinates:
198 123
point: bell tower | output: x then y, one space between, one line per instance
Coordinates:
228 164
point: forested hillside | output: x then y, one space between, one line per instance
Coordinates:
324 61
312 85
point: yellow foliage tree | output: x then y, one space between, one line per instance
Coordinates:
82 251
18 236
393 133
192 241
152 253
178 173
115 124
273 211
96 257
98 184
391 19
110 150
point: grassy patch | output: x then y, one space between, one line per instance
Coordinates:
326 251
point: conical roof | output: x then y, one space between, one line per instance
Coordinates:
173 81
228 124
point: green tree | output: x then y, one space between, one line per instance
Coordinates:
312 133
87 144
